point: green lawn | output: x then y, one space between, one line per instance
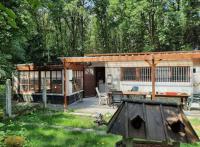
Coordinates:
46 137
60 118
43 135
196 124
37 130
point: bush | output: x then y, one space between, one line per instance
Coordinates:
14 141
1 114
2 97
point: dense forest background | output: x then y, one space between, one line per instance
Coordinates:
39 31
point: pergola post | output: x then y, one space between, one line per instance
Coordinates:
153 78
153 64
65 87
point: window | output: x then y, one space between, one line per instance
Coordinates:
56 81
53 81
145 74
180 74
163 74
128 73
47 75
24 81
136 74
48 81
77 80
34 81
30 80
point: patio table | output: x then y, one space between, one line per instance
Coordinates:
182 96
135 93
128 94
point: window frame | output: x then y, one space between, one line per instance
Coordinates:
185 72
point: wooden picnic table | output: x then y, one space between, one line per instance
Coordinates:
134 93
128 94
182 96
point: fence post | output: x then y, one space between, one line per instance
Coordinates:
44 93
8 98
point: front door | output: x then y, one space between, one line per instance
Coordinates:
89 82
100 78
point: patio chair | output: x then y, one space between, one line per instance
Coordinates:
194 102
116 98
103 97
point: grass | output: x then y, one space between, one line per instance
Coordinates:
47 136
58 118
196 124
42 137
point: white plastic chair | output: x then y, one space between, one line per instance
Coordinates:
103 97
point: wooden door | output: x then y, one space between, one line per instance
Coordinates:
89 82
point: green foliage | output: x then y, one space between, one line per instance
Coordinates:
39 31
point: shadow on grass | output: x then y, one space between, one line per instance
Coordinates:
58 118
46 137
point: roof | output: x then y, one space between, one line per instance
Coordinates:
152 121
34 67
123 57
141 53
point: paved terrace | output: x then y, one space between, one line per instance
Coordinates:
88 106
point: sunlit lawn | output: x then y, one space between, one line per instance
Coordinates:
44 135
61 119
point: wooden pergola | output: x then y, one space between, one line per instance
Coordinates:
152 58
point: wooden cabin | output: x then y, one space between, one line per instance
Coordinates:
77 77
28 82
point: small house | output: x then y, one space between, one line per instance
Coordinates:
77 77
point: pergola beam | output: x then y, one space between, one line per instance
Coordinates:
135 57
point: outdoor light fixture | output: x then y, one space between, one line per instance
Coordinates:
109 79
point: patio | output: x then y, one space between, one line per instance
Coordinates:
88 106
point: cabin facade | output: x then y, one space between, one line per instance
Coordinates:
29 78
77 77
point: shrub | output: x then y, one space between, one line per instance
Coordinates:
14 141
1 114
